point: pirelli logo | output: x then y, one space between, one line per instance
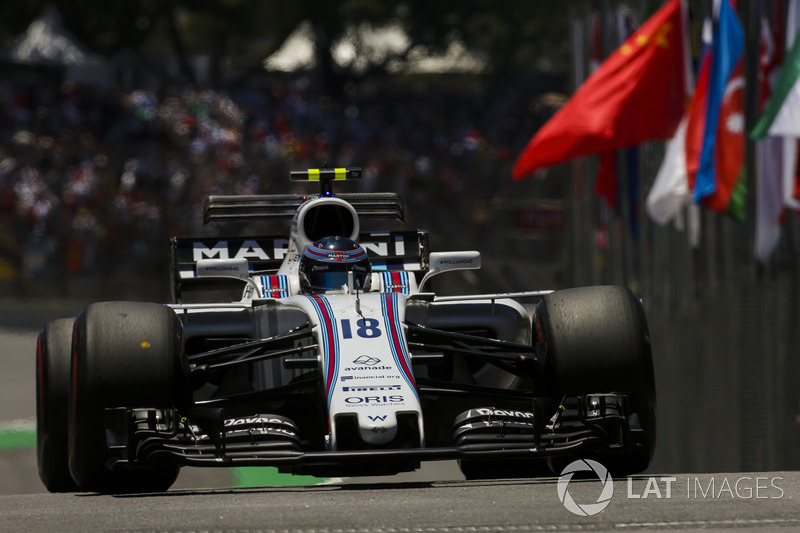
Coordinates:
371 388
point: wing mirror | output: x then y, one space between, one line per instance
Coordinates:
233 269
446 261
230 268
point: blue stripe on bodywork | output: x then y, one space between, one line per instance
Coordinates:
396 281
389 305
330 341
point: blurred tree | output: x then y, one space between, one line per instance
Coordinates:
106 27
15 17
240 32
512 36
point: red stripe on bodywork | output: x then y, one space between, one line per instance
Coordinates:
275 286
331 351
397 282
397 341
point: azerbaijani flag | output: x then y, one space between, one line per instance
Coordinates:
719 184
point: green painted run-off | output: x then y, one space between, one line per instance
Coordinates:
14 438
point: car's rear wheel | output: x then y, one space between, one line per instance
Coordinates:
125 354
597 341
52 394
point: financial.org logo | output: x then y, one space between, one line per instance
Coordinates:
585 509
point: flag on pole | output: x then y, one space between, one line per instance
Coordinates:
769 152
644 77
705 159
606 183
625 29
781 118
728 154
719 183
674 183
696 119
670 191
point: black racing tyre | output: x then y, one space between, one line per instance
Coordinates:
125 354
597 341
52 394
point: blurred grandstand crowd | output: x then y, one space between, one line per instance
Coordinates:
93 183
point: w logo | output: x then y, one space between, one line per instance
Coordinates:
377 418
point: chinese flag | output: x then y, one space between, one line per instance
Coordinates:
638 93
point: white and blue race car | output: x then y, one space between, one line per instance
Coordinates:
336 358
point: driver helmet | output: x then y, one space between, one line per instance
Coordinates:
326 263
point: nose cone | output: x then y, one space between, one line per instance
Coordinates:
377 428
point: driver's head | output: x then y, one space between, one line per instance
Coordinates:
325 264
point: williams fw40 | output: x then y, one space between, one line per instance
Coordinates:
336 358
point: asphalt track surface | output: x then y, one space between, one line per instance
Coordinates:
445 506
434 499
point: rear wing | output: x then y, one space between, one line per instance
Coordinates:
387 250
231 208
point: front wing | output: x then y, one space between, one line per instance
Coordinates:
584 424
526 423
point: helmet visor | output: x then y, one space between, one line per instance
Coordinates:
333 281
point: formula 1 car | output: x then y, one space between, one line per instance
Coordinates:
338 360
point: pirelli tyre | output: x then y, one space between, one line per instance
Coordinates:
52 394
125 354
597 341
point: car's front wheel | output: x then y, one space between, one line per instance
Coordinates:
125 354
597 341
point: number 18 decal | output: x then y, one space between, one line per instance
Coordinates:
366 328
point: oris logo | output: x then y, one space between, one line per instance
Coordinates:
374 400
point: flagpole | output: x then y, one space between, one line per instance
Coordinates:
749 368
580 243
750 11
